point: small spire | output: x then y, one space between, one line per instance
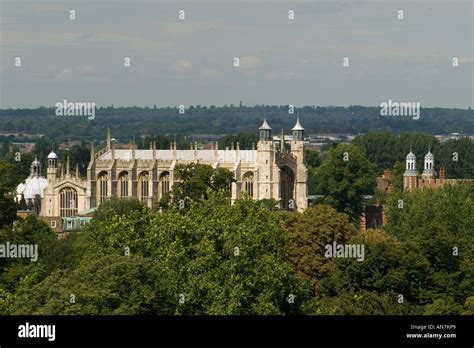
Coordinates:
108 138
67 166
282 140
265 125
298 126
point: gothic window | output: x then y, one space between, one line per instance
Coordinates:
68 202
103 186
247 183
123 184
143 180
164 183
287 182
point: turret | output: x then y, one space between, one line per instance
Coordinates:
35 168
297 144
52 168
298 131
410 179
265 131
428 167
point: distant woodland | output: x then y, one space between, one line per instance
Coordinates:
129 123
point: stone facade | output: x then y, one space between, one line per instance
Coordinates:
272 171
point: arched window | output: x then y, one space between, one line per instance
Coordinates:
287 182
143 180
123 184
68 202
164 183
102 183
247 183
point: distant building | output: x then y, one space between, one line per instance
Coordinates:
413 180
30 192
272 171
374 216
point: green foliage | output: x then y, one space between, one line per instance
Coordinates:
309 232
344 178
246 141
386 150
358 303
8 182
119 206
171 254
195 181
100 286
128 122
437 225
248 258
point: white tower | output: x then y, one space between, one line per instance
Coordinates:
428 166
410 175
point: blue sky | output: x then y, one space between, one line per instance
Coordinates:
190 62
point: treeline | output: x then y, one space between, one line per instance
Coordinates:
130 123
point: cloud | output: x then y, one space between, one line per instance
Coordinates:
183 64
68 72
38 38
73 38
250 62
208 72
187 28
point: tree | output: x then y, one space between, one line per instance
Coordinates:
224 259
245 140
309 233
107 285
8 182
381 148
437 225
194 181
344 178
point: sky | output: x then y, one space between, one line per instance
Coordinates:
191 61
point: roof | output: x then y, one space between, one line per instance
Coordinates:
223 156
297 126
52 155
33 185
265 125
87 212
